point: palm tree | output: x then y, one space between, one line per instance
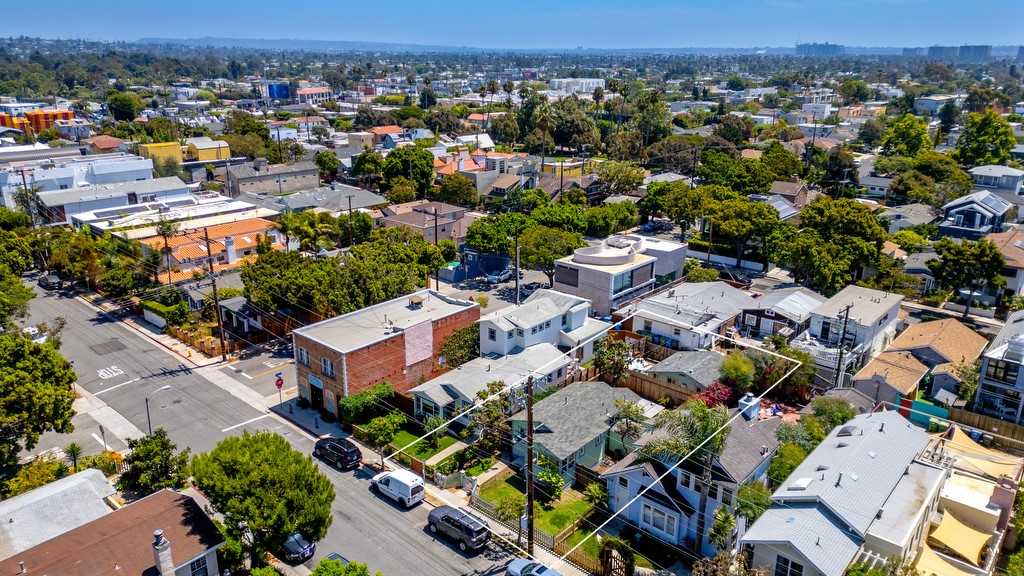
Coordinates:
697 431
508 86
613 87
598 98
544 120
288 224
492 89
73 451
165 229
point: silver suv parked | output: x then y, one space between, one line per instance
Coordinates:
470 531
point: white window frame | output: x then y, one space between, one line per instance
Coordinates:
492 334
327 367
649 515
750 319
199 567
303 356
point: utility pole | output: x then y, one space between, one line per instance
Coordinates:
529 466
814 135
216 299
437 280
517 270
711 230
842 343
350 220
693 172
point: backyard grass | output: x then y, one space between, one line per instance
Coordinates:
592 548
551 518
421 449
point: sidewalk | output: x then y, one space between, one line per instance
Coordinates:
309 421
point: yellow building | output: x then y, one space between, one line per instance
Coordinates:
206 149
569 167
161 150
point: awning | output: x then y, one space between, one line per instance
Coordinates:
931 563
978 459
960 538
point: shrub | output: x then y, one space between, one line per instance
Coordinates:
364 406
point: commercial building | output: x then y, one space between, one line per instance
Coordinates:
819 50
609 274
398 341
316 95
576 85
56 207
73 172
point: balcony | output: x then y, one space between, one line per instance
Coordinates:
826 354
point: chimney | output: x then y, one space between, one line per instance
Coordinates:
162 554
229 249
750 406
794 179
460 164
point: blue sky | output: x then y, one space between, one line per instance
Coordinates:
534 23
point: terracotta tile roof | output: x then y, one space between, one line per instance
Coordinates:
1006 242
123 539
899 369
104 141
438 163
948 337
183 275
382 130
751 153
317 90
217 233
448 169
476 116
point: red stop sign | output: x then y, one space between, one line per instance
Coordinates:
279 383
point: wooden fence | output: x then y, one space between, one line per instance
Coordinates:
1005 433
655 390
208 345
580 558
585 477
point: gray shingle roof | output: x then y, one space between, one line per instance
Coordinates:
813 532
701 365
51 510
793 303
748 444
703 304
868 305
871 461
575 415
120 189
248 171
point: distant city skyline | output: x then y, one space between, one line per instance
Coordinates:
533 24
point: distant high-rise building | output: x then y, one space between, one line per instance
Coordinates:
816 49
945 53
1020 54
913 52
975 53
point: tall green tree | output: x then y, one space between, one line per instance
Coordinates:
693 431
544 120
970 265
540 246
265 490
412 162
35 394
368 168
382 430
327 162
125 106
722 527
987 139
619 177
458 190
908 136
153 464
752 499
490 419
166 229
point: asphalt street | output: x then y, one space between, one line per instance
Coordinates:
122 368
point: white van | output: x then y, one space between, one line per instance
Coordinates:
402 486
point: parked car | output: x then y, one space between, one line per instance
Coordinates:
297 549
33 334
402 486
468 530
526 290
499 277
51 282
339 451
527 567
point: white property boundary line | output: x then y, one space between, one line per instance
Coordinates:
525 377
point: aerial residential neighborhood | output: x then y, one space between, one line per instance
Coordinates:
552 297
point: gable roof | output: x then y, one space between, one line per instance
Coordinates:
748 444
786 188
912 213
205 143
704 304
899 369
124 539
575 415
47 512
382 130
983 200
247 170
701 365
793 303
871 456
948 337
1011 244
996 171
817 535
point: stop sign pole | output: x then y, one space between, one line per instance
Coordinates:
280 384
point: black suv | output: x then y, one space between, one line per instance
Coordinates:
339 451
470 531
298 549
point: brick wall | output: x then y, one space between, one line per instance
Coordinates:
381 361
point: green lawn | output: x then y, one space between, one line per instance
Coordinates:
421 449
591 547
549 518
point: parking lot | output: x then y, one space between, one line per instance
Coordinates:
498 295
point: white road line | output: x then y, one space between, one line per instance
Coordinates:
100 441
118 386
229 428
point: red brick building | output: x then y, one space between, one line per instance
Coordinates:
397 341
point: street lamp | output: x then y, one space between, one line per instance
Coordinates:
149 421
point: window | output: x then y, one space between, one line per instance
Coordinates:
565 319
622 282
327 367
769 313
726 498
303 356
547 324
533 330
492 334
510 335
197 567
658 520
647 325
597 441
676 332
749 319
685 478
519 331
559 372
883 319
1002 371
786 567
568 464
624 481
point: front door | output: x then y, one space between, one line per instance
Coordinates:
621 492
316 397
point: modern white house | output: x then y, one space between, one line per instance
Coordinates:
870 318
608 274
995 177
74 172
547 316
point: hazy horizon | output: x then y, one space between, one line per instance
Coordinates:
535 24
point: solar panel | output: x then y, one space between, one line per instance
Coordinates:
122 211
177 203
